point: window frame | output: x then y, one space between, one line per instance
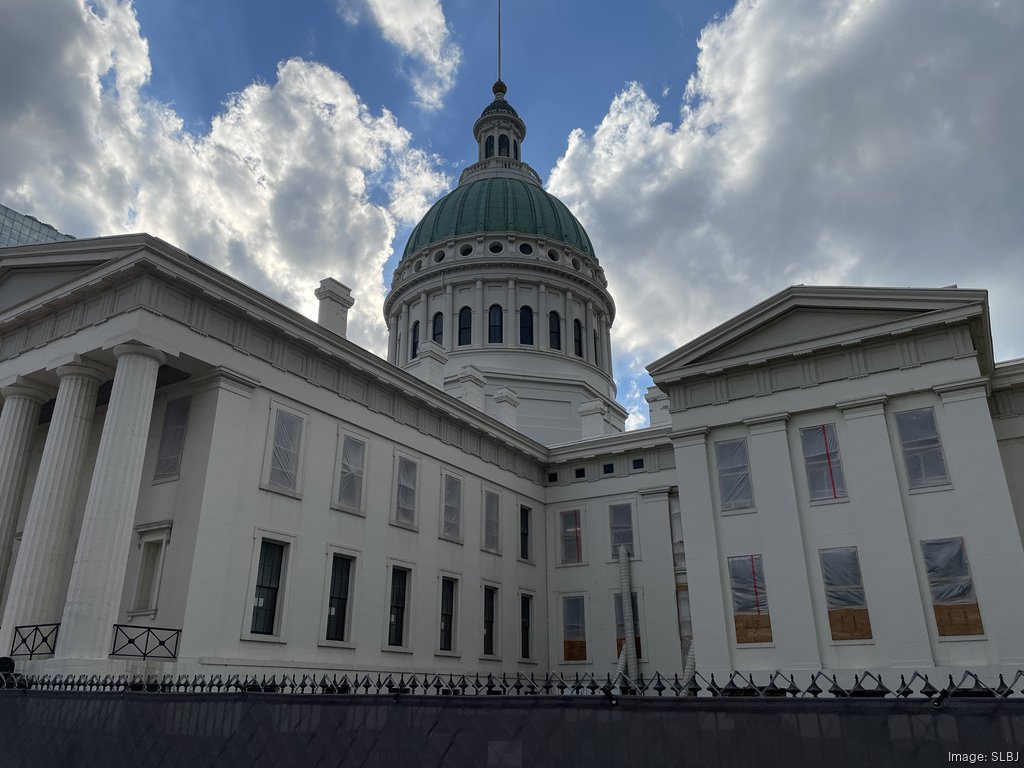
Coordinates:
530 533
170 477
495 324
833 466
732 508
486 491
554 330
407 610
345 433
352 555
577 337
149 534
437 328
912 485
266 483
465 323
837 612
283 591
633 549
580 536
759 628
393 518
494 587
456 578
563 597
528 625
941 610
443 505
526 335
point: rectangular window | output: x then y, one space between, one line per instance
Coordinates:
150 566
734 474
620 624
608 468
571 536
749 600
922 450
491 521
574 629
398 615
172 439
525 626
451 520
953 598
620 518
447 640
844 593
405 491
268 586
337 603
524 533
821 459
285 457
490 620
350 477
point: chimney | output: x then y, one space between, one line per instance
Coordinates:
506 402
429 364
592 413
335 302
657 408
472 382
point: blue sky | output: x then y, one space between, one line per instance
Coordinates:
716 152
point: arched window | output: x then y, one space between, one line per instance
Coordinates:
597 356
465 326
554 330
515 149
437 332
415 350
577 337
489 147
526 325
503 145
494 323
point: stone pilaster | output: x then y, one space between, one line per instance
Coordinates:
40 574
97 579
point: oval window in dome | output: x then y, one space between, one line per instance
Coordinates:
438 257
418 266
495 247
525 248
553 254
466 250
575 263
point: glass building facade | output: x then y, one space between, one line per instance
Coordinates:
19 229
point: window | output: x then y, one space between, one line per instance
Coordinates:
749 600
437 329
844 594
405 491
495 320
415 340
525 626
451 519
515 148
172 439
580 472
524 533
285 460
574 629
526 325
577 337
490 620
552 477
554 330
608 469
489 147
398 612
465 326
597 357
268 587
338 600
620 624
922 450
491 521
821 458
448 593
152 539
503 145
734 474
620 519
571 535
953 598
350 474
638 463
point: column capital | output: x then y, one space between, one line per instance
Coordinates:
28 389
134 348
85 368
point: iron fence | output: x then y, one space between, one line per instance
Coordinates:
34 641
145 642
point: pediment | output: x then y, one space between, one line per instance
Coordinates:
30 271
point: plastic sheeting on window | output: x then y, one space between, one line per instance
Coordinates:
284 460
405 496
922 450
452 523
350 484
949 574
491 522
734 474
574 626
844 588
572 550
824 466
621 519
172 439
748 592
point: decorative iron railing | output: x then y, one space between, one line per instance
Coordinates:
34 641
145 642
739 684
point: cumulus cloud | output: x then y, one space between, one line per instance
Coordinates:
276 193
419 30
847 142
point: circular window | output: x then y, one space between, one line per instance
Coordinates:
418 266
439 257
575 263
495 247
525 248
466 249
553 254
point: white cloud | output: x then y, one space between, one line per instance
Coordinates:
276 193
863 142
418 28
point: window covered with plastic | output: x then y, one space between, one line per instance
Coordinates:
821 459
749 600
350 481
571 532
451 524
284 459
574 629
405 491
844 594
621 522
949 578
922 451
172 439
491 521
734 484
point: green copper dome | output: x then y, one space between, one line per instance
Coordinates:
501 204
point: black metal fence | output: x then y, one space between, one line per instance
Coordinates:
145 642
34 641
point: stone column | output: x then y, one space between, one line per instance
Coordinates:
567 338
588 335
97 579
426 331
18 421
403 337
479 336
542 332
449 319
393 340
40 574
511 317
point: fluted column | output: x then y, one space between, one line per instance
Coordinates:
97 579
40 573
449 317
18 422
403 337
